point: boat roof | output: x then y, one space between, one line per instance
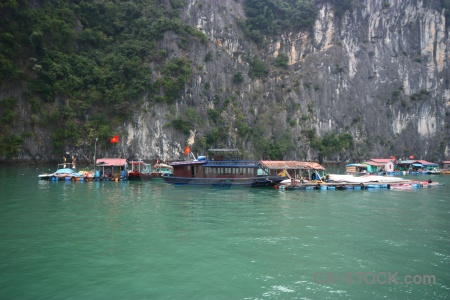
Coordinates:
381 160
111 162
162 166
373 163
291 164
138 162
232 163
187 162
416 162
357 165
64 171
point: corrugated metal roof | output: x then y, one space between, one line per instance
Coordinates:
372 163
422 162
381 160
109 162
291 164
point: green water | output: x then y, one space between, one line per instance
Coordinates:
149 240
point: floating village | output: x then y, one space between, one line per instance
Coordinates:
225 169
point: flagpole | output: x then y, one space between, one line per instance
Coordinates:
95 151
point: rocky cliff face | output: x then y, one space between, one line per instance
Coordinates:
380 72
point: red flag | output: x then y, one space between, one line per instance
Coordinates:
187 150
114 139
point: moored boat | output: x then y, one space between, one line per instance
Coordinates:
434 171
220 171
161 169
62 172
139 170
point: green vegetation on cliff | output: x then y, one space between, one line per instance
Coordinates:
84 64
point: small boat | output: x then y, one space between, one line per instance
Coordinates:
140 171
220 171
161 169
404 186
434 171
62 172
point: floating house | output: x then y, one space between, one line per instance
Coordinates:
416 166
380 166
356 168
391 166
445 167
294 169
111 169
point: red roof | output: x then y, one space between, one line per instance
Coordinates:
108 162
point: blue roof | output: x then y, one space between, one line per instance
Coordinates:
64 171
356 165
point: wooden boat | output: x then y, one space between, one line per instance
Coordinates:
140 171
161 169
220 171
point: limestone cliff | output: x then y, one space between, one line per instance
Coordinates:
379 72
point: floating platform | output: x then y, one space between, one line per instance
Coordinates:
407 184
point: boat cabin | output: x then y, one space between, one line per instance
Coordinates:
203 168
140 167
162 169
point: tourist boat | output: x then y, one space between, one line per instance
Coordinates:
221 171
161 169
140 170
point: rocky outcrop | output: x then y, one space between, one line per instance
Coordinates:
379 72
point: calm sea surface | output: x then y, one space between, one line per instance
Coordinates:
150 240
